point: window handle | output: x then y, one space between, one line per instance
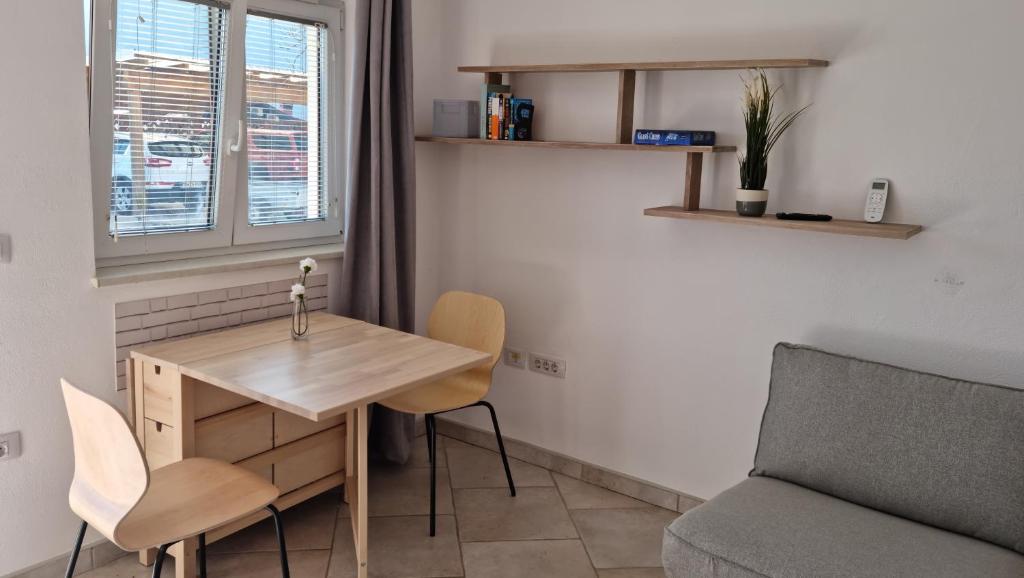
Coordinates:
236 145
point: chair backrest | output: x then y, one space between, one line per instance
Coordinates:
473 321
111 475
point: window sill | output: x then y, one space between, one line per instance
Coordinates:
124 274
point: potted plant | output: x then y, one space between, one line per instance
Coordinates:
764 128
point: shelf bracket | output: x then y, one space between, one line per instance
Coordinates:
624 118
691 193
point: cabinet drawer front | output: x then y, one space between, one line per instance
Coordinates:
319 460
237 434
265 472
160 444
212 400
161 388
289 427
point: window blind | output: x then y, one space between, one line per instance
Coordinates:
286 125
168 83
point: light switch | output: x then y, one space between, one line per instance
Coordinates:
5 249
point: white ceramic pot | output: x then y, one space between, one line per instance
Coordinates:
751 203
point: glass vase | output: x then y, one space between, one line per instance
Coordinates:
300 320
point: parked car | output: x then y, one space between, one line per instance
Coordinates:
277 155
176 170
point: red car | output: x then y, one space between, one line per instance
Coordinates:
276 155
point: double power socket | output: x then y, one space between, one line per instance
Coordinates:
540 363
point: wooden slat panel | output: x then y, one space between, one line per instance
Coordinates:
289 427
212 400
319 461
237 434
675 65
837 226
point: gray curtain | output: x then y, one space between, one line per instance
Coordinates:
378 271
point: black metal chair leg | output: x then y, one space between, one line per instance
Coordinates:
280 539
202 555
159 564
429 436
74 553
501 446
433 474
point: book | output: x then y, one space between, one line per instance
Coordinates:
486 90
646 136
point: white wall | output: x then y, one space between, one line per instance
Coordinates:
667 326
53 324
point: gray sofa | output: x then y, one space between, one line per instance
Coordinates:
865 469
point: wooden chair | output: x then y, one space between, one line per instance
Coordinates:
472 321
114 491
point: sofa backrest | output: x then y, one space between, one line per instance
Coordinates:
936 450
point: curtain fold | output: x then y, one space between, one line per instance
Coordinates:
379 267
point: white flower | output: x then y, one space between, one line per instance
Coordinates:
307 265
298 291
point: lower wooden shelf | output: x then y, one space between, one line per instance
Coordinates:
836 226
547 144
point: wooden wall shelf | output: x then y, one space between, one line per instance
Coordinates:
542 144
651 66
836 226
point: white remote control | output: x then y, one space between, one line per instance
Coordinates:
877 195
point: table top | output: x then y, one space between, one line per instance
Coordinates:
342 364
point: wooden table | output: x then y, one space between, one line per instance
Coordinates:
216 393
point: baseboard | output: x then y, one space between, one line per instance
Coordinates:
633 487
99 553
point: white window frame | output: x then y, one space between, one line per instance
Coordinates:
231 232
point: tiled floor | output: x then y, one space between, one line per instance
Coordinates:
556 527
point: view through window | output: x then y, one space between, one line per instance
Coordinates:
285 92
168 82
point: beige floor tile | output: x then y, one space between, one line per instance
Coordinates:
632 573
535 559
400 547
404 491
473 467
491 514
581 495
626 538
307 526
304 564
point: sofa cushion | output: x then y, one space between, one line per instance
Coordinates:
941 451
767 527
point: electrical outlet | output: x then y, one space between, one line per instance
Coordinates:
515 357
10 446
547 365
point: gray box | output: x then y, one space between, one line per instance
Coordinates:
456 118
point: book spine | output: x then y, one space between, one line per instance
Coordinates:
495 118
484 108
487 118
506 116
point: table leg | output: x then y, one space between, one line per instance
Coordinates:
350 445
356 485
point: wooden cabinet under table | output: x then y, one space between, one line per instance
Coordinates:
177 417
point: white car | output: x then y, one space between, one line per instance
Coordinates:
177 170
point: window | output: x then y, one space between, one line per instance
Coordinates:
215 124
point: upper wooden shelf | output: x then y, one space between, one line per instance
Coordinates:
837 226
678 65
577 145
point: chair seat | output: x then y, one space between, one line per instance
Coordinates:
190 497
453 392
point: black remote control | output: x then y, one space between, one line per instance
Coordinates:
802 217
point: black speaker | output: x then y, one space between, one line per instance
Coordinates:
522 120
